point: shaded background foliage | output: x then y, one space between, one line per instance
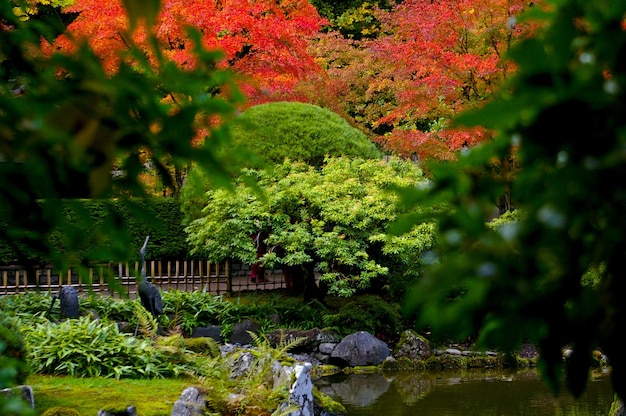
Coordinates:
87 223
69 124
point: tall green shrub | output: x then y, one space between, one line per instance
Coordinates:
335 218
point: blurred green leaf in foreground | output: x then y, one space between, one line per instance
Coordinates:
69 130
555 276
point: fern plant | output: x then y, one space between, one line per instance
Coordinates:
255 391
147 325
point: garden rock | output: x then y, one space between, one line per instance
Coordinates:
129 411
25 392
301 391
240 364
311 339
190 403
327 347
211 331
359 349
240 334
412 346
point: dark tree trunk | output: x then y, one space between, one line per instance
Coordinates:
301 280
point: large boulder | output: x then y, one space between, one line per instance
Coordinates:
359 349
412 346
209 331
241 332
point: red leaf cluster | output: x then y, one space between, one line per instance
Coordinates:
433 59
265 40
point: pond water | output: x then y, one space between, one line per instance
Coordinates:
463 393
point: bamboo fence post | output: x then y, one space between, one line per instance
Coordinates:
229 279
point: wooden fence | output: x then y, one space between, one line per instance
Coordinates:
188 275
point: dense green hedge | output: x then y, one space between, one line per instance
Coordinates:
88 220
273 132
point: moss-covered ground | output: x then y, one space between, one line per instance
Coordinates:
88 395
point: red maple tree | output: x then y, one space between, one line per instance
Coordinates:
265 40
433 59
445 56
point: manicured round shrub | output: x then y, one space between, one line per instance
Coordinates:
302 132
267 134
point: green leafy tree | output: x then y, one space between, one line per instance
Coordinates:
331 220
526 281
269 134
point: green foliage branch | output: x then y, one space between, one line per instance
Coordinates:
334 218
564 112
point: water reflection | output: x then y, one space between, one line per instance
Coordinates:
360 390
462 393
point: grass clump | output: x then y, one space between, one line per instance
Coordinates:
88 348
61 411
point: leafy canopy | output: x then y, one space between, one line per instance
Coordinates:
431 60
335 218
526 281
263 40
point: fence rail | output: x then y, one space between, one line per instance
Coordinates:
184 275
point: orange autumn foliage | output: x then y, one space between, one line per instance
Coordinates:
432 60
263 40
